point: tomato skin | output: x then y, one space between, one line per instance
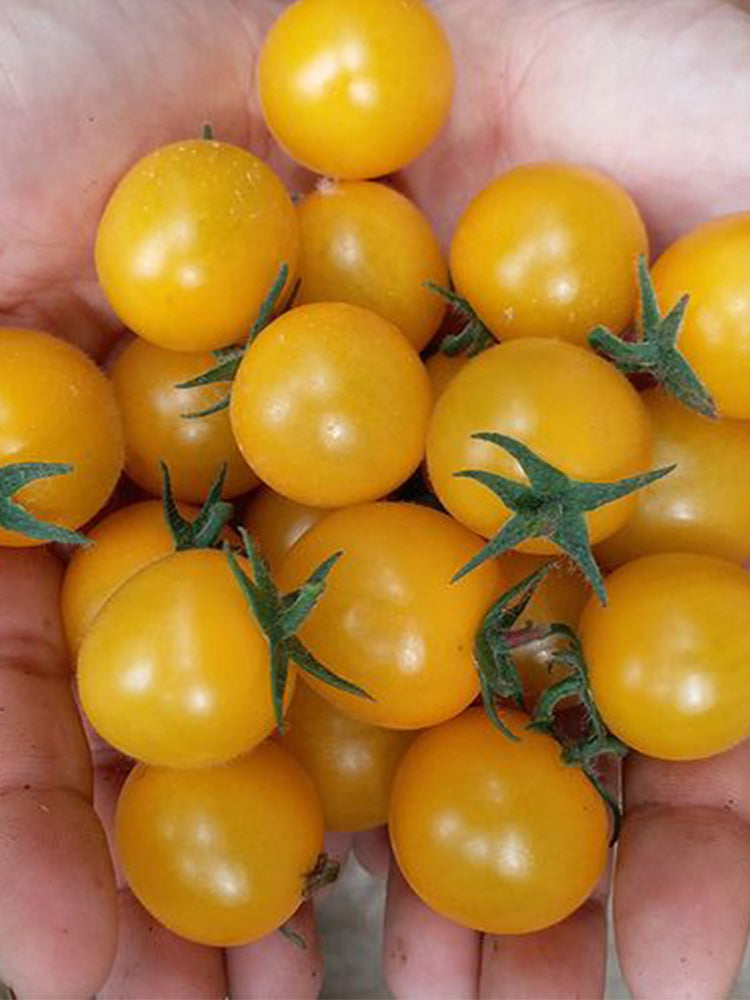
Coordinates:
352 764
704 505
534 259
390 619
57 406
174 670
355 90
145 380
669 657
569 406
276 523
496 835
219 855
191 241
368 245
440 370
711 264
330 406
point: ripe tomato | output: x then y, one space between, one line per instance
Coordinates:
569 406
356 90
191 241
277 523
669 657
712 264
145 380
175 670
330 406
219 855
441 368
351 763
391 621
368 245
123 543
704 506
56 406
560 598
496 835
535 257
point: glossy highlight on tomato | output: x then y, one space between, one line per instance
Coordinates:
220 855
496 835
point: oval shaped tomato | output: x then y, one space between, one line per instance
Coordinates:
391 621
669 656
368 245
570 407
219 855
191 242
330 406
441 368
153 412
550 250
712 265
175 670
276 523
57 406
704 505
351 763
356 90
493 834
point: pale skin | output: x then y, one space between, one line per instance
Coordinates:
656 92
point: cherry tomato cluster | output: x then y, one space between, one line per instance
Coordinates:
410 621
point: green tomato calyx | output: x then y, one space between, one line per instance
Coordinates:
473 337
15 517
205 531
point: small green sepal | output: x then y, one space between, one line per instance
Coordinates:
656 353
279 616
205 531
296 939
473 337
15 517
325 872
551 505
207 132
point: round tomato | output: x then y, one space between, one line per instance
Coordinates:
669 656
153 413
351 763
277 523
704 505
330 406
550 250
175 670
356 90
57 406
496 835
368 245
712 265
391 621
219 855
440 370
191 242
570 407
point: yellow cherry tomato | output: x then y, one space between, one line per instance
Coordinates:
351 763
669 656
712 265
704 505
496 835
175 671
191 241
123 543
550 250
356 90
390 620
220 855
441 368
153 413
277 523
330 406
368 245
57 406
570 407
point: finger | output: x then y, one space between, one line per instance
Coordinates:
373 850
58 918
682 881
425 955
